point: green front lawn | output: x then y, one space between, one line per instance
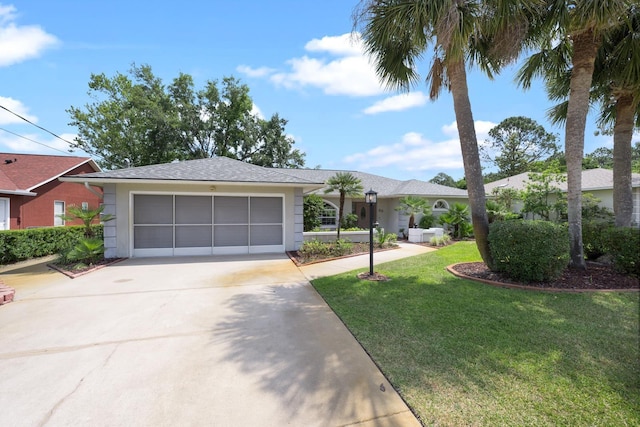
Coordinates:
464 353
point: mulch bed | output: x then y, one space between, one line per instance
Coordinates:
73 272
596 277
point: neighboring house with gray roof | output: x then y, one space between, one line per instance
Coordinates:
598 182
223 206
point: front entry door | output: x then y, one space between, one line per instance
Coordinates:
4 213
362 210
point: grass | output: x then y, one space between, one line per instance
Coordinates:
464 353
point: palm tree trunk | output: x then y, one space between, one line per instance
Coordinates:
471 158
585 47
341 208
622 135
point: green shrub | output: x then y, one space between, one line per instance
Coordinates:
86 251
440 240
19 245
340 247
623 245
427 221
350 221
530 251
595 238
384 239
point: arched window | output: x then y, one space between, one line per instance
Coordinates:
329 215
440 205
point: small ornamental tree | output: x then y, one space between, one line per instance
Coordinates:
413 205
346 184
87 216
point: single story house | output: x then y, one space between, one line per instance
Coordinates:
390 191
223 206
31 194
598 182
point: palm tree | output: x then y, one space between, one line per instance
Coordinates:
87 216
412 205
616 87
571 32
346 184
396 34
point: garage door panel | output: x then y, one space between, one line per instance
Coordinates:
193 209
266 235
230 235
266 210
153 237
193 236
153 209
231 210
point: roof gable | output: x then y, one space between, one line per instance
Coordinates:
29 171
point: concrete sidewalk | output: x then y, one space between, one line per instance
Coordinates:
361 262
224 341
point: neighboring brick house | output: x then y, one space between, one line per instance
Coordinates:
31 194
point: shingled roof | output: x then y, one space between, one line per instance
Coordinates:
23 173
385 187
216 169
592 179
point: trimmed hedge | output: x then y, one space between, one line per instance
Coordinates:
595 238
20 245
624 246
530 251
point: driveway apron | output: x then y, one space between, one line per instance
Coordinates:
194 341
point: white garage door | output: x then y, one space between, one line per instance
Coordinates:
173 224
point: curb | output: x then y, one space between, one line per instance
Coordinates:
82 273
450 269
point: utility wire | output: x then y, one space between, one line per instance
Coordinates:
33 140
39 127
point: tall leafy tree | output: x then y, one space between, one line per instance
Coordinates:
136 120
570 34
515 143
345 184
443 179
397 33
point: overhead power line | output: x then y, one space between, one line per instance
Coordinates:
39 127
33 140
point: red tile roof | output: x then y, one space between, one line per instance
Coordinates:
25 172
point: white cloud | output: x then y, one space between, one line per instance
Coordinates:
19 43
416 153
413 153
337 65
398 103
344 45
255 72
482 129
35 144
17 107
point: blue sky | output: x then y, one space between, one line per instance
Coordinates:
297 57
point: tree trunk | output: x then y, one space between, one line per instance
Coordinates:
585 47
622 135
341 208
471 158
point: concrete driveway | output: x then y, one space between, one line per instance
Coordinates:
198 341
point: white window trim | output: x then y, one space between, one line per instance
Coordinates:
55 216
438 209
7 213
326 202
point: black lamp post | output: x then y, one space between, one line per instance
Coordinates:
371 197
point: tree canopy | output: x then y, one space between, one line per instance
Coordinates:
135 120
515 143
